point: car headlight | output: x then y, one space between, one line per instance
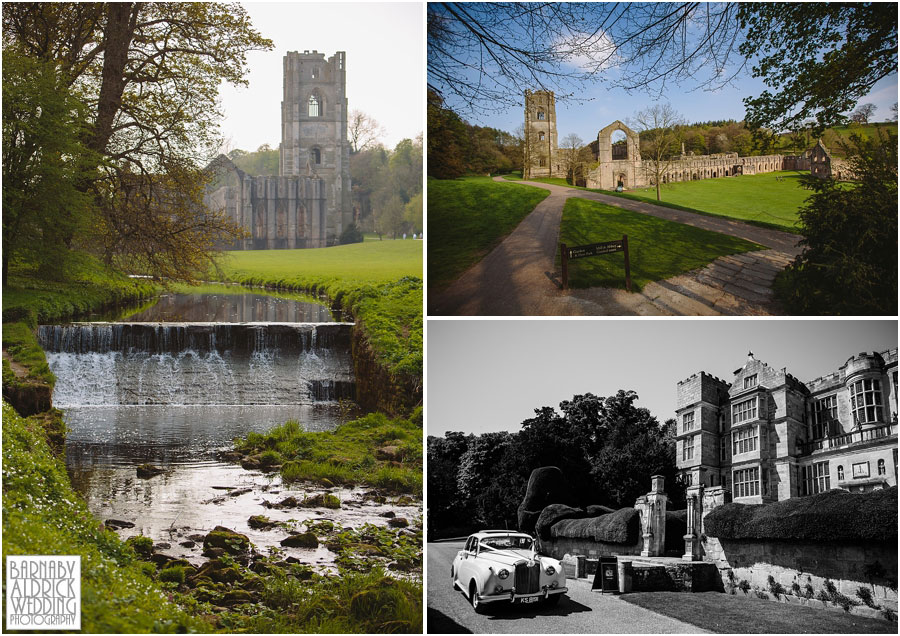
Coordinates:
550 571
503 574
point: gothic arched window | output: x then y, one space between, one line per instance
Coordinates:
315 156
315 109
540 114
540 136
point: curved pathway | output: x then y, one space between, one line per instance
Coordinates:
519 276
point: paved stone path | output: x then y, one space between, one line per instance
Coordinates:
519 276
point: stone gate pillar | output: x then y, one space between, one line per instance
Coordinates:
694 521
652 508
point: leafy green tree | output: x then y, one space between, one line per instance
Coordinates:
445 506
147 75
478 468
819 58
263 162
412 213
43 153
447 141
849 262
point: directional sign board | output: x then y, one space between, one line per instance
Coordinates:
596 249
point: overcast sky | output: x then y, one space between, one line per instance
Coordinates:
384 43
489 375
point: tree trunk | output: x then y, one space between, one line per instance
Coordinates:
117 35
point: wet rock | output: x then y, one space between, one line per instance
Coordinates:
162 545
163 560
326 482
405 500
322 500
305 540
218 572
226 539
249 463
118 523
196 537
288 502
390 514
146 471
187 544
231 456
261 522
398 522
388 453
237 492
236 597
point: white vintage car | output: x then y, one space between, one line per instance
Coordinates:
501 565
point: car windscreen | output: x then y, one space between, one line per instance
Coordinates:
507 543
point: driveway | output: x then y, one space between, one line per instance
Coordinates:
580 611
519 276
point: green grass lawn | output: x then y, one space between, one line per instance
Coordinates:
727 614
759 198
370 262
467 218
658 249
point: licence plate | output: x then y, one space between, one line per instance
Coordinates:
529 599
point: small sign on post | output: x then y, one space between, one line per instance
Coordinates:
594 249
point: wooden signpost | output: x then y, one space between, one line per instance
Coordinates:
594 249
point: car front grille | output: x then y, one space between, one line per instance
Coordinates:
528 579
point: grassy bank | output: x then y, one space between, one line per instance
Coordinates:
43 515
469 217
372 450
377 282
658 249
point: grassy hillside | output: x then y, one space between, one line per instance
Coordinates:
658 249
771 199
469 217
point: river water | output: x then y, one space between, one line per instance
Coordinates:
174 384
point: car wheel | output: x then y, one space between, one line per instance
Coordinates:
477 605
553 600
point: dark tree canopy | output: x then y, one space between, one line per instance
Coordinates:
849 262
606 448
146 79
819 59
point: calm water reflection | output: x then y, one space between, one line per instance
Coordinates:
226 307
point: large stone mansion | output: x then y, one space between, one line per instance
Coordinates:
767 436
621 165
308 204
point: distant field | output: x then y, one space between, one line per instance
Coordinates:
658 249
760 198
370 262
467 218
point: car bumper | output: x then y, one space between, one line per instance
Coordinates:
512 596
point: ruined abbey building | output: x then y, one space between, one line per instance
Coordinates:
620 164
308 204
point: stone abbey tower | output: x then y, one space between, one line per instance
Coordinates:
541 148
314 130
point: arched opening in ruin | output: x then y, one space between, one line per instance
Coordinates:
619 143
620 180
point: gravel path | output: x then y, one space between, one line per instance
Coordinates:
519 276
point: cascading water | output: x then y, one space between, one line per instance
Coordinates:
173 394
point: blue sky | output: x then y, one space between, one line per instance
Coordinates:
603 105
600 104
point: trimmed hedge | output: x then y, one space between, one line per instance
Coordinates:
621 526
553 514
836 515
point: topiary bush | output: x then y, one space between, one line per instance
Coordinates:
621 526
836 515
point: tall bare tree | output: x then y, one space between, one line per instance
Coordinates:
570 151
863 113
659 126
363 131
